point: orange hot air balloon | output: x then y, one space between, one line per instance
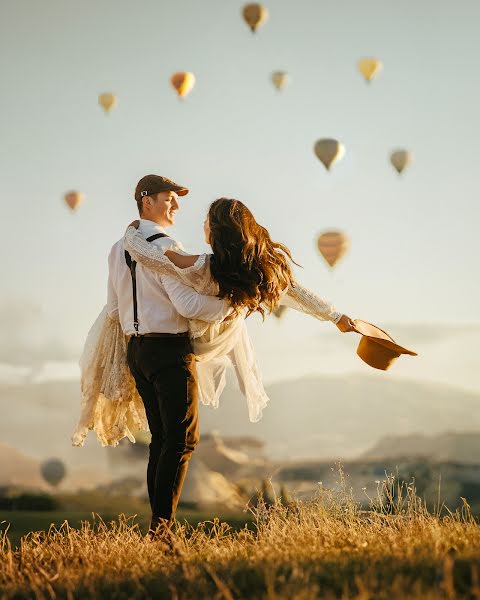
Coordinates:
183 83
73 199
332 245
107 101
254 15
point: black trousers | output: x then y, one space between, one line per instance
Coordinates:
164 371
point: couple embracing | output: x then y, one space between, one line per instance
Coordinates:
172 325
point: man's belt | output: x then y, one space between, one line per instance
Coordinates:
164 335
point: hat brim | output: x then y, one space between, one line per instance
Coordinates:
393 346
181 191
380 336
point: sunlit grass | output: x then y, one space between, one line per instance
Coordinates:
325 548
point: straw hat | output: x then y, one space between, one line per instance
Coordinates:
376 347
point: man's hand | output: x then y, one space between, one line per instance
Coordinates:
346 324
135 224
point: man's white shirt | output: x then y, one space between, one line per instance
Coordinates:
164 303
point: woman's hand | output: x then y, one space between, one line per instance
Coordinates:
135 224
346 324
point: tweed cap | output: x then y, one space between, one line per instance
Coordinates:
153 184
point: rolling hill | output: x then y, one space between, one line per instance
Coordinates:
449 446
316 417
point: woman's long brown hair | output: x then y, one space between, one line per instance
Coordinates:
250 268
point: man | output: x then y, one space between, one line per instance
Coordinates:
154 309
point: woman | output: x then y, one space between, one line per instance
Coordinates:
246 267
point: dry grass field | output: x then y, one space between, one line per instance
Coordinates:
326 548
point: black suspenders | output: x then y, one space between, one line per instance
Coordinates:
132 265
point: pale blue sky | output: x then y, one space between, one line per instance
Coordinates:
415 246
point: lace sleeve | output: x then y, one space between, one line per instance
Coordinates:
147 254
153 257
304 300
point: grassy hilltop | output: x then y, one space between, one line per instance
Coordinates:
326 548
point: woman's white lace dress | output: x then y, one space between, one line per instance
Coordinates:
111 405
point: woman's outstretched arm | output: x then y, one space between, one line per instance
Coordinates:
304 300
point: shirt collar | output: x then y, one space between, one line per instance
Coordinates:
148 228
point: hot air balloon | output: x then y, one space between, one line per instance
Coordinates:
53 471
255 15
400 159
369 68
107 101
332 245
279 312
329 151
183 83
280 79
73 199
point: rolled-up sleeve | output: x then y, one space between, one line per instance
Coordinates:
193 305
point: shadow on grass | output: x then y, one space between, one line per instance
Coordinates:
347 577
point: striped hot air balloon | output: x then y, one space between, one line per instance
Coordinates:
332 245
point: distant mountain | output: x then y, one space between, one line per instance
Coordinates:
315 417
329 417
16 469
448 446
